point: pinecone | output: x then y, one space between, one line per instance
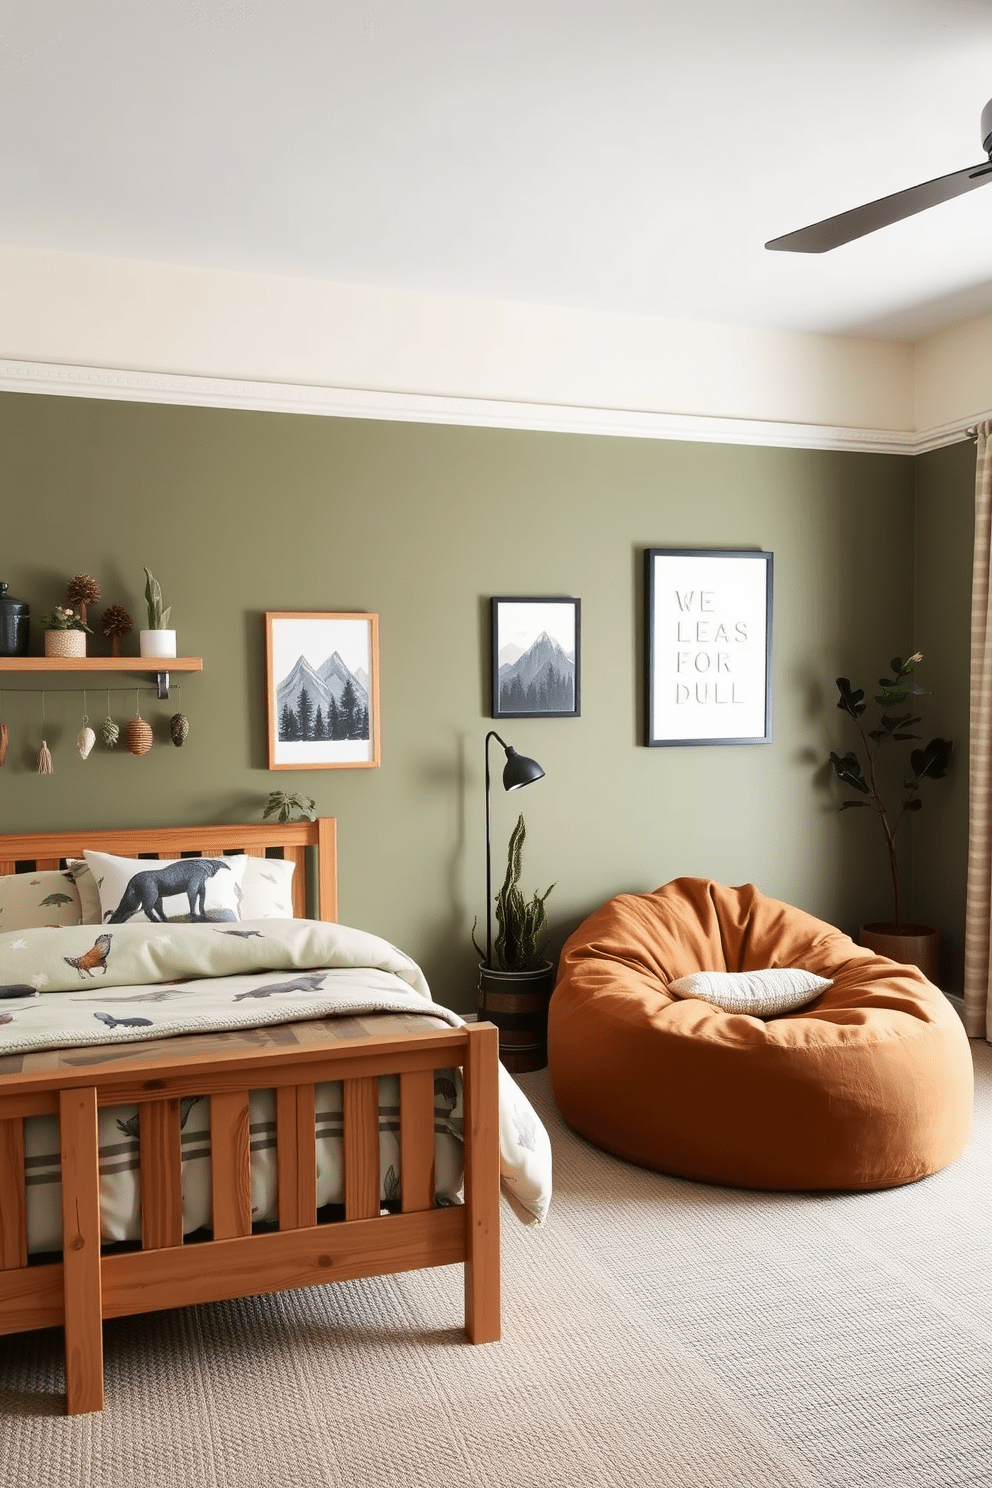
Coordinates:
83 590
179 729
116 623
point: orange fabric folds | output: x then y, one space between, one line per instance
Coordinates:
867 1087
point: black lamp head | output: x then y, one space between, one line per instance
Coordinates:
519 770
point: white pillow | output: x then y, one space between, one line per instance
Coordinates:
267 889
89 894
760 993
166 888
30 900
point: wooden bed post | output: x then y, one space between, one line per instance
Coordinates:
482 1271
81 1250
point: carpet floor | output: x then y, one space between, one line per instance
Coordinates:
657 1334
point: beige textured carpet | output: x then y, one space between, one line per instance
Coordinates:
657 1333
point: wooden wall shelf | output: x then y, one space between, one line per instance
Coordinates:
161 666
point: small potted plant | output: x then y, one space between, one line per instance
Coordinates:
282 805
65 633
157 640
515 990
912 944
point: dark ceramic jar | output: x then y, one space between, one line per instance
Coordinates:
14 625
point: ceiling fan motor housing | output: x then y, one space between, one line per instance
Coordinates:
987 128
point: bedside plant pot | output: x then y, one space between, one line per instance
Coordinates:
157 642
65 643
917 945
517 1002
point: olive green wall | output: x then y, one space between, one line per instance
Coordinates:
945 535
239 512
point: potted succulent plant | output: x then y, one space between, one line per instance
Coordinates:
515 990
157 640
65 632
910 943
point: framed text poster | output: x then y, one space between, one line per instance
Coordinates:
709 646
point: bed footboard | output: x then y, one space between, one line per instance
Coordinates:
85 1286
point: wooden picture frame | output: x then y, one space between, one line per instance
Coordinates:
536 656
322 689
708 646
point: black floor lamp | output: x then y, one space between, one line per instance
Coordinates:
517 772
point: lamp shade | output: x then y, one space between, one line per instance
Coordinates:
519 770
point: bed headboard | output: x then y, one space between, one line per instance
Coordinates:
289 840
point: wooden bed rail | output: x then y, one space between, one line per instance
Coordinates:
85 1286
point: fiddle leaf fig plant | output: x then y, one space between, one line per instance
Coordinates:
522 936
894 724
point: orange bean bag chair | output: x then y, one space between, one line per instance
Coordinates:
867 1087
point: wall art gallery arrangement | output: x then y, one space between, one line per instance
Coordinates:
322 690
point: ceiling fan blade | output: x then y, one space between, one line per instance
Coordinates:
820 237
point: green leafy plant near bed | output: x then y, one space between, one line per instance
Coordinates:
283 804
522 935
896 719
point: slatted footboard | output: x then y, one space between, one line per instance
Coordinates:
85 1286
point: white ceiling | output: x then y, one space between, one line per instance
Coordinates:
632 155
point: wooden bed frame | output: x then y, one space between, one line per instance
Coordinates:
83 1287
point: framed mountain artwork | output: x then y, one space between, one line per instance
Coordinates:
322 684
535 657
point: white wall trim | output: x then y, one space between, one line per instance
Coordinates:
64 380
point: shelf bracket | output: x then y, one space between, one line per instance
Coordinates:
163 684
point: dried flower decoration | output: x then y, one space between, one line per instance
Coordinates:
83 590
116 624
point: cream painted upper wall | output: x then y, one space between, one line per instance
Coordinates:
94 312
954 375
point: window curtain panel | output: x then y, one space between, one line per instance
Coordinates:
978 918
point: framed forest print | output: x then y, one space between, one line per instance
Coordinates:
322 683
535 657
709 646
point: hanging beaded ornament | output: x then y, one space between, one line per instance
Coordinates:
109 732
179 726
138 734
86 738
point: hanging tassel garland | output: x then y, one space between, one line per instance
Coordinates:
179 729
44 753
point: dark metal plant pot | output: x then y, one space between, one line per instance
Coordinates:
914 945
517 1002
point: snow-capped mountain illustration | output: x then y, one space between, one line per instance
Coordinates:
307 691
541 679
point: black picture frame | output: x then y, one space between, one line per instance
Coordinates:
708 646
536 635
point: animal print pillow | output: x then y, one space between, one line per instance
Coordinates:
265 892
166 888
267 889
31 900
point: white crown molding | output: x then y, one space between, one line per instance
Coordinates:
335 402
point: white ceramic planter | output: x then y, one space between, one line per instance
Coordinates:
157 643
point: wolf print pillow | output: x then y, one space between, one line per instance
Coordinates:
176 889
